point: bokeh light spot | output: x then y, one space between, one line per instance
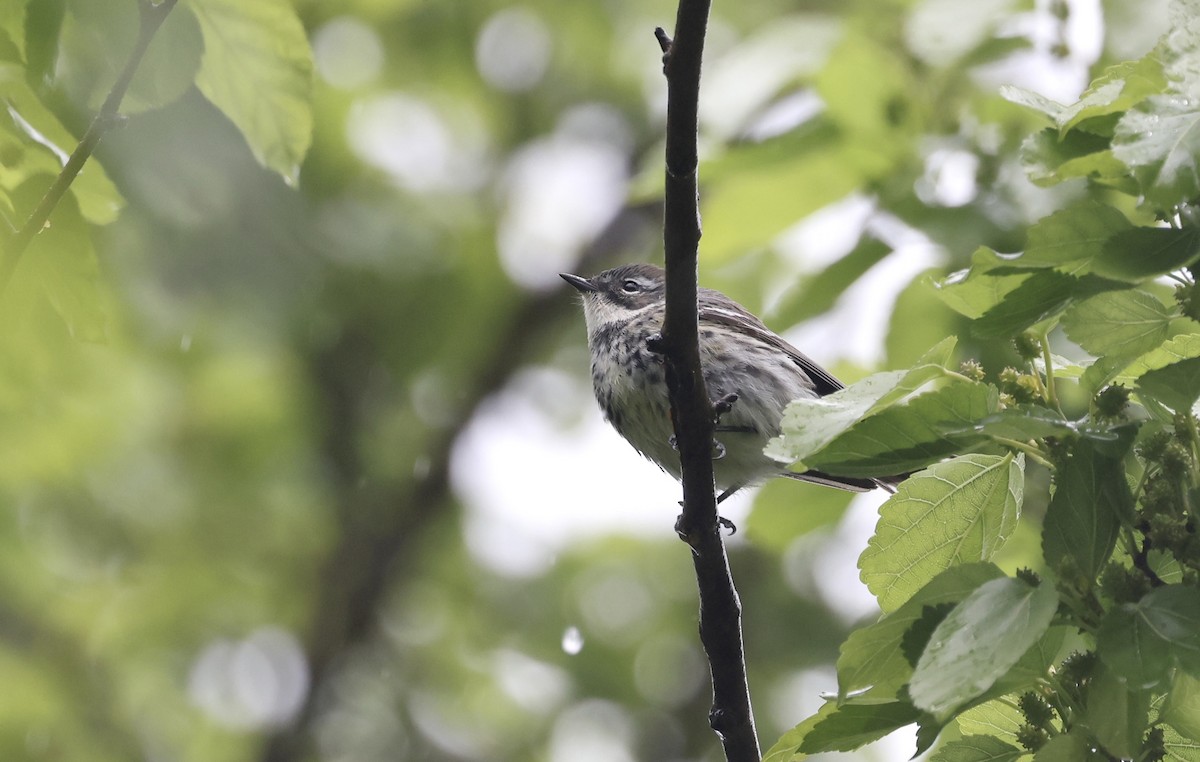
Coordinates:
513 49
347 52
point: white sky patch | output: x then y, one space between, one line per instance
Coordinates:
534 485
1041 69
950 177
835 566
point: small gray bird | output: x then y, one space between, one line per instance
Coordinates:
748 368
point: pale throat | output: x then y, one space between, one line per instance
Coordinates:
598 313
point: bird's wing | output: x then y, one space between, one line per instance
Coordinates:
734 316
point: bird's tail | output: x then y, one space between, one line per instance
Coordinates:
849 483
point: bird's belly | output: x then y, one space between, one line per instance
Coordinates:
634 400
632 393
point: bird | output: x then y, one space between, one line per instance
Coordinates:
750 371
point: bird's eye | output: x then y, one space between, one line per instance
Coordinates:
631 287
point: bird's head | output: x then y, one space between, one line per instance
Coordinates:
619 294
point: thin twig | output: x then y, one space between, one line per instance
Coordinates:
691 410
1141 561
150 17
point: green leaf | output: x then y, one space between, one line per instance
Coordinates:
854 725
59 266
1117 89
928 730
42 145
1141 253
1032 101
872 657
1102 372
993 718
1029 421
95 45
1042 296
1049 159
787 747
1182 709
910 435
1177 385
784 510
1142 642
1069 238
1129 322
808 425
1179 748
956 512
977 749
1115 714
974 291
1034 666
1182 347
1126 370
1084 515
978 642
257 68
1159 139
1065 747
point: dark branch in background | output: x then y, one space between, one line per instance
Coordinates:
150 17
691 410
378 528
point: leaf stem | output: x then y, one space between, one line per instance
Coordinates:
1048 362
1033 451
150 17
1061 700
958 376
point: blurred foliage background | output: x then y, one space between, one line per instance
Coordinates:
250 478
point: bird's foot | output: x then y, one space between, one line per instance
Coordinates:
723 406
718 449
722 522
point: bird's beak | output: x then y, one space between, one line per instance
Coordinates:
582 285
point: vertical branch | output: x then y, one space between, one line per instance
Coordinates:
150 17
691 410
